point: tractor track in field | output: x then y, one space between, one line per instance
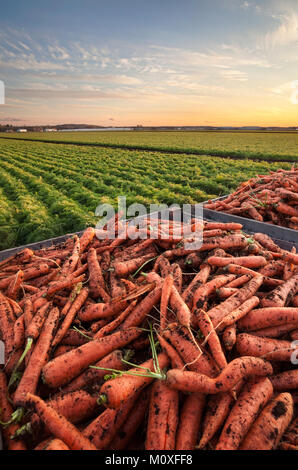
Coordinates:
154 149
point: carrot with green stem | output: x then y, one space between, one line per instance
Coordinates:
116 392
63 369
97 373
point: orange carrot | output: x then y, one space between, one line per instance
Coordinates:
15 285
75 406
91 375
269 427
174 357
96 280
86 238
246 261
285 381
244 293
116 391
101 430
266 317
218 407
206 327
77 304
33 329
133 422
58 425
113 325
55 444
187 381
63 369
237 314
163 418
190 420
270 349
29 380
279 296
6 411
252 399
203 292
229 337
195 360
6 326
19 332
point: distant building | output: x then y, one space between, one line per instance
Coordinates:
21 130
50 129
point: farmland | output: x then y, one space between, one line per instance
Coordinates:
253 145
48 190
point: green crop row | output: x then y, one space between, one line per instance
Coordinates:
48 190
254 145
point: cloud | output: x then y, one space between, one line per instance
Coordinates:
285 34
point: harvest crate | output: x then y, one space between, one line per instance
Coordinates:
283 237
252 226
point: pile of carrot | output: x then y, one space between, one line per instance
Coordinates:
151 343
271 198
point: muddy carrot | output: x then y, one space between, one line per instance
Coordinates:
163 418
269 427
63 369
29 380
190 421
252 399
77 304
58 425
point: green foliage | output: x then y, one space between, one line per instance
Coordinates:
48 190
254 145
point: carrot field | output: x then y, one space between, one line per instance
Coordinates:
252 145
49 189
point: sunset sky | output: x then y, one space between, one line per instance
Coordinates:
157 62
